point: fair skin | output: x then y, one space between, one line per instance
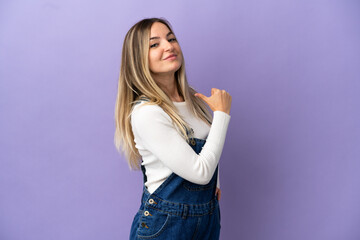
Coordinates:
163 45
165 58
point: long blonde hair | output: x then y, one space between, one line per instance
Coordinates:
135 80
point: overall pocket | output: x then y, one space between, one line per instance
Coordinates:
152 223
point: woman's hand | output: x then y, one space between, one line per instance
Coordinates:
220 100
218 193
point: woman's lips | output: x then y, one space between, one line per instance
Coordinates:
171 57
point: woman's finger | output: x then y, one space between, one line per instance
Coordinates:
203 97
218 193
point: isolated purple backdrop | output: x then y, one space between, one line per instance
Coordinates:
290 166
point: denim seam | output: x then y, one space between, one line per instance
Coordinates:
179 204
211 210
205 187
163 227
197 227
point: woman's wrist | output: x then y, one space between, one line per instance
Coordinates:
225 111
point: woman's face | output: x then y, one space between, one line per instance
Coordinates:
164 54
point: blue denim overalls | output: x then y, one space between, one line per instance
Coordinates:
179 209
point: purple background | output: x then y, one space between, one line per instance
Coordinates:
290 168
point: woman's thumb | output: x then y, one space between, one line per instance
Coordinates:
200 96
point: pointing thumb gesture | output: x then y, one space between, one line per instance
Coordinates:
220 100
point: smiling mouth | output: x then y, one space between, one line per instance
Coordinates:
171 56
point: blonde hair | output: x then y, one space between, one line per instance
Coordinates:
135 81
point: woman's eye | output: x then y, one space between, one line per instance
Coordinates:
172 39
154 45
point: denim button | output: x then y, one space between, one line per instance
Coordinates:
151 201
193 142
146 213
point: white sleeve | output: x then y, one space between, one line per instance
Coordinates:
158 135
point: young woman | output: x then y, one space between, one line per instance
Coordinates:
165 128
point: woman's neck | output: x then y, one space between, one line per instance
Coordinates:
169 86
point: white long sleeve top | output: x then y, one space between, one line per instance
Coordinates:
164 150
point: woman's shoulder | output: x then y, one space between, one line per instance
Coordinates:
145 107
144 111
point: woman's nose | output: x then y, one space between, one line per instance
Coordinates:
168 46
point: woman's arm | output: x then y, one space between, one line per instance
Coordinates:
155 132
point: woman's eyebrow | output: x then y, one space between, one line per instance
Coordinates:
152 38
